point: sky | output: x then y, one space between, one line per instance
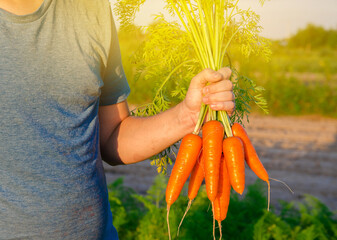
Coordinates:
279 18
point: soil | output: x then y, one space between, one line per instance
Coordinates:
302 151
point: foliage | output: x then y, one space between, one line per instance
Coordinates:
246 91
127 209
144 217
288 95
164 60
314 37
296 81
126 10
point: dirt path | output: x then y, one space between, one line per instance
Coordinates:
299 150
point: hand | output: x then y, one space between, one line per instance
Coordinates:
210 87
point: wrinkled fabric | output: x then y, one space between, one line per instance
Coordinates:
57 66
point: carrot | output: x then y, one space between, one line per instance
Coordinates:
212 136
251 157
187 156
197 176
221 202
234 155
213 133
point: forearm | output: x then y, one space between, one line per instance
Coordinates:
125 139
137 139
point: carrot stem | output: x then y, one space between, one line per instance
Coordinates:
226 122
202 114
212 114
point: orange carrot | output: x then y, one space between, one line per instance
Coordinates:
187 156
197 176
212 136
213 133
221 202
251 157
234 155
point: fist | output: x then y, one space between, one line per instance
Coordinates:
212 88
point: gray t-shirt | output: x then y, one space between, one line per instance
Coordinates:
57 66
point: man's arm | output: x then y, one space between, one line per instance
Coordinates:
127 139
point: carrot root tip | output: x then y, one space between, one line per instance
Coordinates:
187 209
239 191
168 221
213 221
220 229
287 186
268 195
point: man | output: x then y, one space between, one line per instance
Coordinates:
63 106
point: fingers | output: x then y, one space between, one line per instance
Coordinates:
226 96
219 93
226 72
216 89
205 76
224 85
221 102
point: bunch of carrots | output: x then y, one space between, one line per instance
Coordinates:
219 153
218 157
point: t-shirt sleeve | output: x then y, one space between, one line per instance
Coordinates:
116 88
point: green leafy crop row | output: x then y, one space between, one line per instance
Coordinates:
143 217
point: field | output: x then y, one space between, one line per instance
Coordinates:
297 141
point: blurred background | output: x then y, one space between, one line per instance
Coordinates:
297 141
300 79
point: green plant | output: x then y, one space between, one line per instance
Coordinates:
126 209
143 216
